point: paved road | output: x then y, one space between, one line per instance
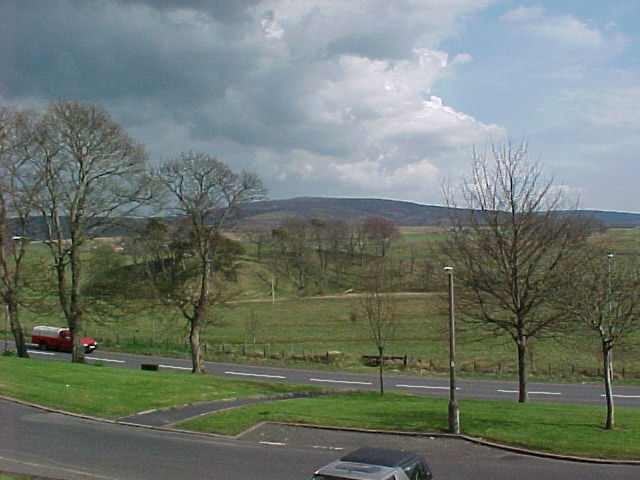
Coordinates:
584 394
39 443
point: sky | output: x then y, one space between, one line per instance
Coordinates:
349 98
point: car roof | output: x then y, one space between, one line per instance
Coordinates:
356 471
382 456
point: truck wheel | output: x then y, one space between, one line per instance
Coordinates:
43 346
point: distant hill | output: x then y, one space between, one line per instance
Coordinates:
268 213
403 214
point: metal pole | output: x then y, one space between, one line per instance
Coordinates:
454 414
273 290
610 292
609 262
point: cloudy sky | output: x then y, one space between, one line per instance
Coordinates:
351 98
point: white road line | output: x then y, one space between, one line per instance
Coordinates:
321 447
105 359
174 367
147 411
41 353
278 444
244 374
425 387
326 380
623 396
49 468
531 393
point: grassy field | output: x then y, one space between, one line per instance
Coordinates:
113 392
300 331
558 428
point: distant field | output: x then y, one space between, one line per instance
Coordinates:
302 331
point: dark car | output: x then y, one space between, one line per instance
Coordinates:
369 463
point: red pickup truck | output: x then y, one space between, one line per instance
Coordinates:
55 338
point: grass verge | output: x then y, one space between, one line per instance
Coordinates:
559 428
113 392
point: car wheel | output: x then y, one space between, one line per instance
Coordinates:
43 346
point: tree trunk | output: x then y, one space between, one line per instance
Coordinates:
199 315
381 367
197 362
607 351
523 395
75 318
18 335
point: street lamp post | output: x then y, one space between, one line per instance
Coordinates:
610 292
454 414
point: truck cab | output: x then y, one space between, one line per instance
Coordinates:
56 338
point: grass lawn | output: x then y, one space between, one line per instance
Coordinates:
560 428
112 392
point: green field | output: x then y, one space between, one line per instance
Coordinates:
114 392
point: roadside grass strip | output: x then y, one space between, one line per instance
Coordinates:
556 428
113 392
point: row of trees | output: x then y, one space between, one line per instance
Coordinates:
526 269
77 170
328 253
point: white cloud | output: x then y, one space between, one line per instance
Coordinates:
461 59
562 29
619 107
523 14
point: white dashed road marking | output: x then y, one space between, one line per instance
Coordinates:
277 444
624 396
174 367
105 360
326 380
254 375
531 393
425 387
41 353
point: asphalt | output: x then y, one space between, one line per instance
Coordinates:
39 440
169 417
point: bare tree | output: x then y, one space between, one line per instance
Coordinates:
380 310
319 233
205 192
381 233
260 237
297 234
606 299
91 175
510 246
17 192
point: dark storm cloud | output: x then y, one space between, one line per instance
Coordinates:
306 92
221 10
91 51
